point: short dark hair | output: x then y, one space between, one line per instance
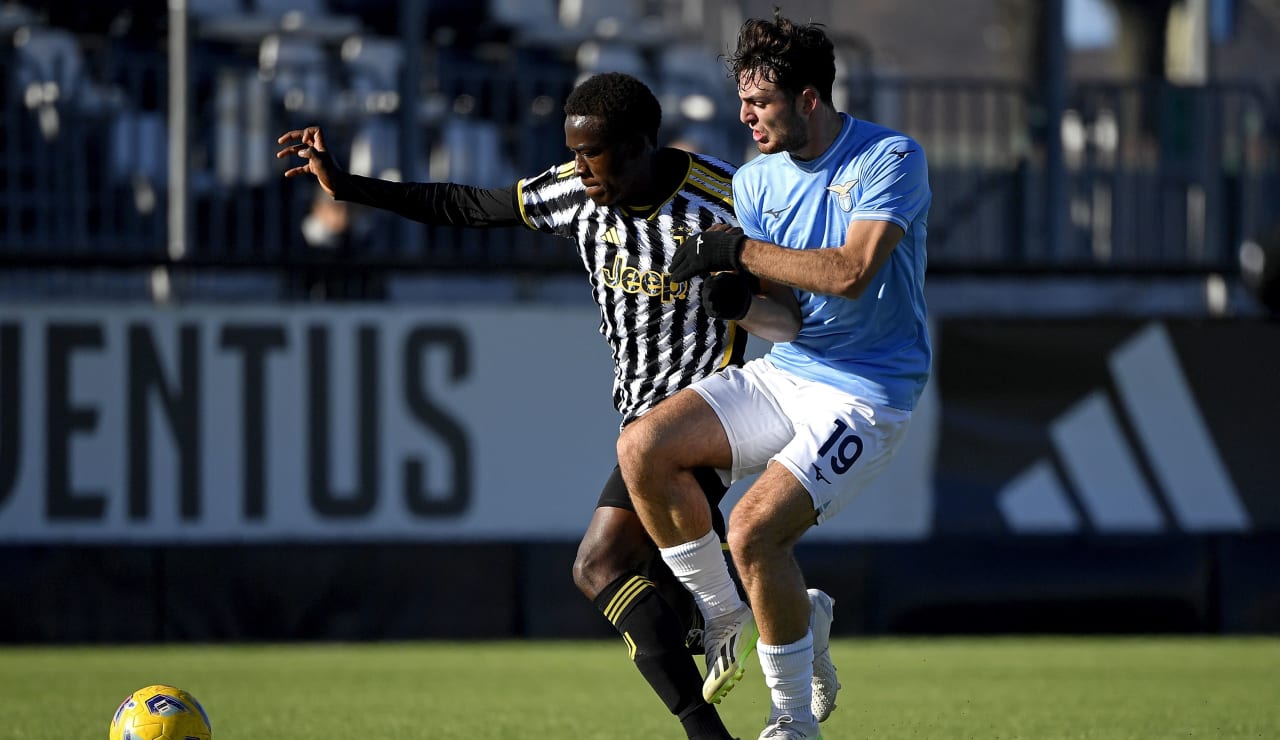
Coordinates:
625 104
790 55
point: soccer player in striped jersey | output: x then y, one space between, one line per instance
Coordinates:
627 204
836 208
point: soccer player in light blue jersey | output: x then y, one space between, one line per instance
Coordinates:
836 208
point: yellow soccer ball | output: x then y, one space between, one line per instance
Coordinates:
160 713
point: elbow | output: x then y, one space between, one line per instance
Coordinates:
851 287
779 335
766 321
788 327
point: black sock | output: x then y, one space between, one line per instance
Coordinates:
656 641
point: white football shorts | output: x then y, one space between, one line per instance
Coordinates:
833 442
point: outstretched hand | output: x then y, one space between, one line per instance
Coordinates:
310 146
709 251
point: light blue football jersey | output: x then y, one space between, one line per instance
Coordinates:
877 346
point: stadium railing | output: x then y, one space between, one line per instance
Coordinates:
1159 178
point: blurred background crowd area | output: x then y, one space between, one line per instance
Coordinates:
1095 137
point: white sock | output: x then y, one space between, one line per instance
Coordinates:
701 567
788 672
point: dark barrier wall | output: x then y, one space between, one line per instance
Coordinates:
1089 476
1108 427
399 592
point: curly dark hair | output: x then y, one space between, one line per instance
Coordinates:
790 55
625 104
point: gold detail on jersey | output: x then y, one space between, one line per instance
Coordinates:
568 169
720 195
625 596
652 283
680 233
731 333
631 645
710 182
524 215
713 176
845 193
611 237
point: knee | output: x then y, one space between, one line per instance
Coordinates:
596 566
749 541
635 447
586 569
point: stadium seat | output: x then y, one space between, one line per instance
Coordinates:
534 23
469 151
14 16
229 20
298 69
50 70
138 148
603 20
594 56
373 73
308 17
375 149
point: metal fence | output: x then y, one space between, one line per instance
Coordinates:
1156 177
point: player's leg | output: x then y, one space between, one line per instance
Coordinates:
766 524
841 443
670 587
659 454
610 569
826 685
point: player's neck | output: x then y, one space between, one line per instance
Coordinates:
667 169
824 126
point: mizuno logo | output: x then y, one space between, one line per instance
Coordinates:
1104 473
901 155
776 212
845 193
818 474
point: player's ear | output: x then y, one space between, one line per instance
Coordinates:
809 100
635 146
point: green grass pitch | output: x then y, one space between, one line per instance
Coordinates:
984 689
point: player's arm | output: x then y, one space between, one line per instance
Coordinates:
774 313
765 308
429 203
894 192
768 310
844 271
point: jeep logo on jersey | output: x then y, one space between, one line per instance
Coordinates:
652 283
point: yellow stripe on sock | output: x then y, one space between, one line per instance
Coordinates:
631 645
625 596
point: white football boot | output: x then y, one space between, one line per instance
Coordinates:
727 641
825 684
786 728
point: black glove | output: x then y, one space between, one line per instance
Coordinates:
727 295
707 251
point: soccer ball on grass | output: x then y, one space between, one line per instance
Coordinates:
160 713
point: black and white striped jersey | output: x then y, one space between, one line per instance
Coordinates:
661 340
